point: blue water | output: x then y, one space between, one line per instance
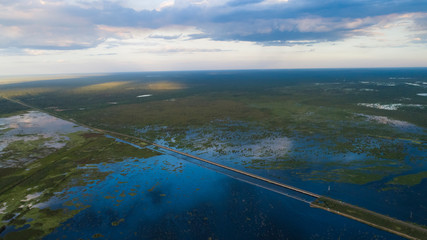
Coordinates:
164 197
401 202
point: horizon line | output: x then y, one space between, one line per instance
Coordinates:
70 74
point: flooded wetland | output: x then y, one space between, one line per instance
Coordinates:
71 165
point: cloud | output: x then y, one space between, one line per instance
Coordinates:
166 37
289 43
74 24
235 3
37 26
183 50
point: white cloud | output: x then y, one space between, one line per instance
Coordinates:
165 4
132 35
275 1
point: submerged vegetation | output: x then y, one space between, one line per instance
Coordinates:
351 127
318 111
26 188
409 179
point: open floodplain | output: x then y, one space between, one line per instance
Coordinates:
356 136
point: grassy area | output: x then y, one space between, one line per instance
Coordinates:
329 137
410 179
358 175
190 111
8 108
405 229
20 152
319 105
357 172
34 183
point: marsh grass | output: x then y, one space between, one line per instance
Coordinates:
409 179
53 174
319 105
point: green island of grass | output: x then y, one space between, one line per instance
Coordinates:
410 179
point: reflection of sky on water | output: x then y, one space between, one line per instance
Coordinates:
32 126
35 125
400 125
398 202
311 160
35 122
166 198
233 140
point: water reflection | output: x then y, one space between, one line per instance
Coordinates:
358 172
36 132
167 198
35 122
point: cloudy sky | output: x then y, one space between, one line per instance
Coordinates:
81 36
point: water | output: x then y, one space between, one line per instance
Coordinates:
34 122
313 169
32 126
164 197
167 198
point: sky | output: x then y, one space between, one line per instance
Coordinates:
98 36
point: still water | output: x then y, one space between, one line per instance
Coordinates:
164 197
315 165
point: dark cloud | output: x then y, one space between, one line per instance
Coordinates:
76 26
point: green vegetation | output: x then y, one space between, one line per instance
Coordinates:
404 229
308 126
187 109
410 179
22 151
117 223
355 172
35 183
360 176
8 108
178 114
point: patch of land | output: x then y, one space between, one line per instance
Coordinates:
234 114
409 179
78 139
25 189
302 126
8 108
